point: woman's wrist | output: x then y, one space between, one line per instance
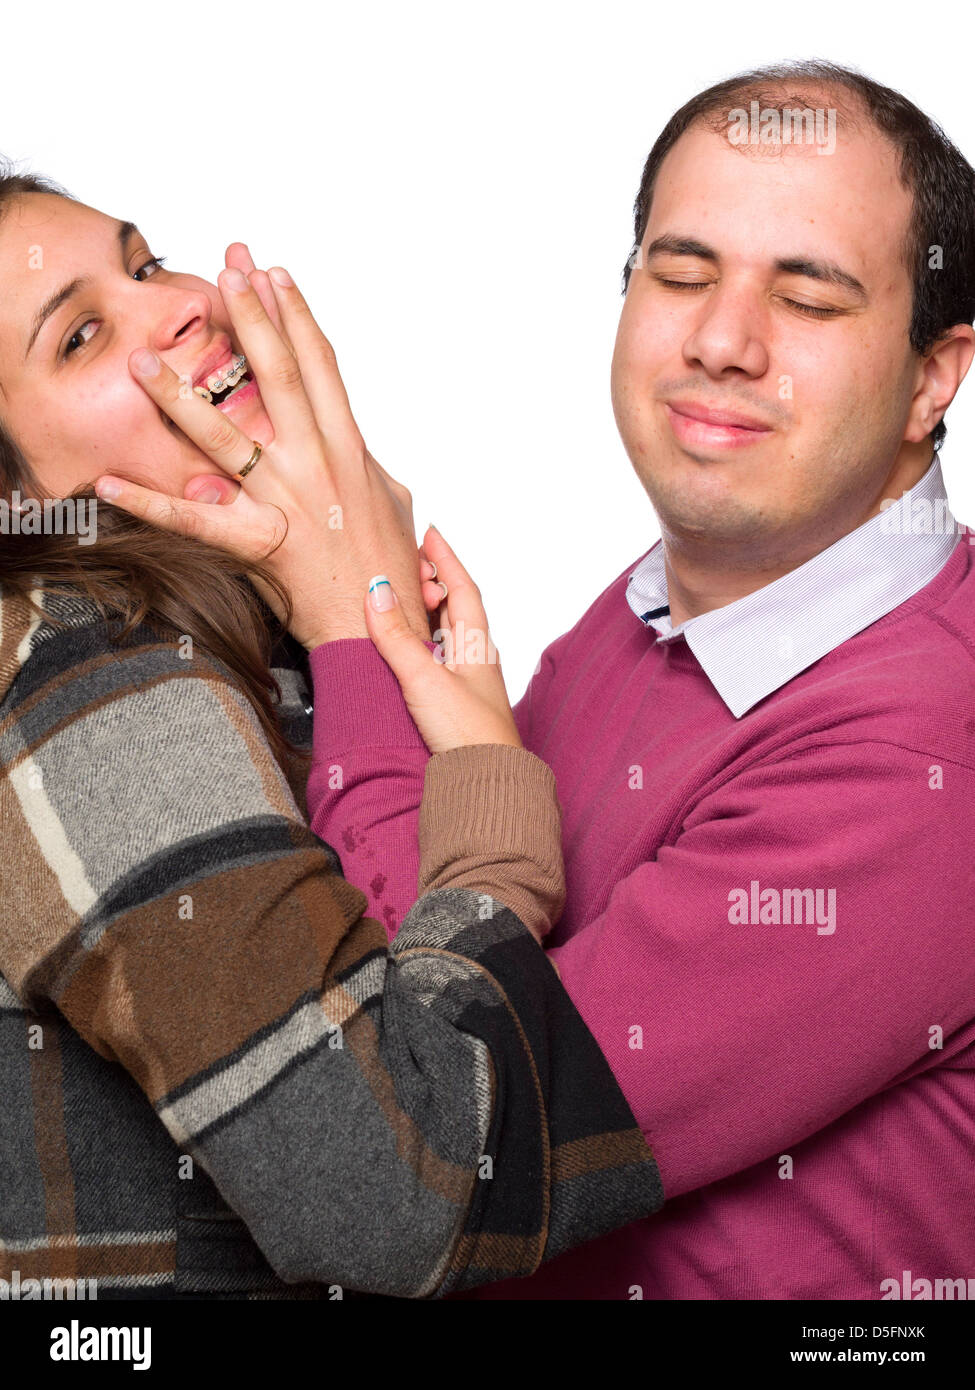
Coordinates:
490 821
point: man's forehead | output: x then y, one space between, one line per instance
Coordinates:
854 196
703 152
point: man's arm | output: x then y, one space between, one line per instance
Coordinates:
366 779
735 1038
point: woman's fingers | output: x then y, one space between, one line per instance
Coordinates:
397 643
448 711
429 588
272 363
463 598
319 369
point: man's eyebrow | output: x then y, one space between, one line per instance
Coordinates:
825 271
681 246
54 301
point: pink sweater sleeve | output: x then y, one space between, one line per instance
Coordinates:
366 778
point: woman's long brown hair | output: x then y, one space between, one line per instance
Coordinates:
138 574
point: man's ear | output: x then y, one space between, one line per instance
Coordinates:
940 373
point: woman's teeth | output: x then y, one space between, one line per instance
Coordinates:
222 382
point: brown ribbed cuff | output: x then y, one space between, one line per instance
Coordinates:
490 821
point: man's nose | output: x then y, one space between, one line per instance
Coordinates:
729 332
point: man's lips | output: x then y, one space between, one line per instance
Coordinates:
716 417
698 424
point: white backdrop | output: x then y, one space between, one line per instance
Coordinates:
452 187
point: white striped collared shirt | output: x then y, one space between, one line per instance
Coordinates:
754 646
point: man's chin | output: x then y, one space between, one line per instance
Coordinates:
716 515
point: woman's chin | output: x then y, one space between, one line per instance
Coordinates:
246 412
249 415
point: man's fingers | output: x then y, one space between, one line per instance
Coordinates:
238 254
319 369
208 488
209 429
205 523
272 363
238 257
265 293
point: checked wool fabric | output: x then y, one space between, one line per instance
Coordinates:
217 1077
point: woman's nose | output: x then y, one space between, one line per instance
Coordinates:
185 313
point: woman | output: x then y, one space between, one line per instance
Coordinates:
218 1079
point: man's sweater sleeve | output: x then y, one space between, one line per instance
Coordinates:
366 778
736 1030
411 1120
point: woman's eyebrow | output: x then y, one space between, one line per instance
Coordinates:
54 301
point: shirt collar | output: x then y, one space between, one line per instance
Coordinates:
754 646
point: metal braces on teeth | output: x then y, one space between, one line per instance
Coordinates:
236 370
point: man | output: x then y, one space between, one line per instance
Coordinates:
763 731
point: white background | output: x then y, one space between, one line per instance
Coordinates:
452 187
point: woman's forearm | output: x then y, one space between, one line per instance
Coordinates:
490 821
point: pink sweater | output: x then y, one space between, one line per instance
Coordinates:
808 1086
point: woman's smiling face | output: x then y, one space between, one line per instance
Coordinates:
67 396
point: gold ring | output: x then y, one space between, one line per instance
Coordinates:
258 450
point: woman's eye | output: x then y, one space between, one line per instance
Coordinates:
154 261
76 335
152 265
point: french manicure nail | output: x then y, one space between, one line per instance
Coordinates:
281 277
209 494
234 279
108 489
381 594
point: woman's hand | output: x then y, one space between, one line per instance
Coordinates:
317 511
459 697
